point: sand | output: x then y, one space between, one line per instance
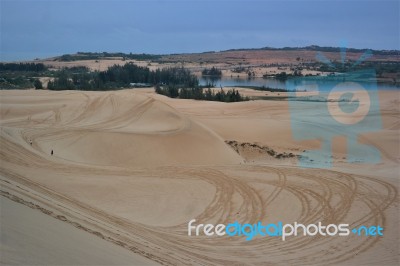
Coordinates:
31 238
131 168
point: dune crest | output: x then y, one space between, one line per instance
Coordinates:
118 129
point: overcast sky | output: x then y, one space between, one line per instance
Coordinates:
40 28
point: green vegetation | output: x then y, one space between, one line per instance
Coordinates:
33 67
18 82
214 72
263 88
24 76
38 84
20 75
283 76
239 69
198 93
117 77
211 75
380 67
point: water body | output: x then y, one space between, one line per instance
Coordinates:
271 83
234 81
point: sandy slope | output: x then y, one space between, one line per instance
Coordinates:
132 168
31 238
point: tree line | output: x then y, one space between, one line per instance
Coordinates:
199 93
215 72
118 76
35 67
21 75
175 82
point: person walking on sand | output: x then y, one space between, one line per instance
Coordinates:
52 152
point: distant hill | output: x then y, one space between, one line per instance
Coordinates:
323 49
104 55
156 57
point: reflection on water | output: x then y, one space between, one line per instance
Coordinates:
271 83
232 81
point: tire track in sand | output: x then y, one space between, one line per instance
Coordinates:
244 193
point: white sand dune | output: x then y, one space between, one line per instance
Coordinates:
30 238
131 168
124 129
